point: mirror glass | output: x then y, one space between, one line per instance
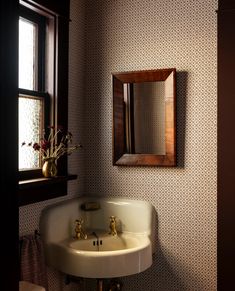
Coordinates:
144 118
148 118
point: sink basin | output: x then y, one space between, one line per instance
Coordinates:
101 255
107 243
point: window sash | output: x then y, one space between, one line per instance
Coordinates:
31 125
40 71
45 117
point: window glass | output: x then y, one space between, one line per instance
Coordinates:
27 54
30 130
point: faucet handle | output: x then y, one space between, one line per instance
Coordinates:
79 221
79 229
112 225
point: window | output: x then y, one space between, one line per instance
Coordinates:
43 92
33 98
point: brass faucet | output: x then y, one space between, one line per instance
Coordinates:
112 225
79 229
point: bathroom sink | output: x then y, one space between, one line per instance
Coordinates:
107 243
101 254
115 256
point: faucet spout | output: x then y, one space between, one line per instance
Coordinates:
96 236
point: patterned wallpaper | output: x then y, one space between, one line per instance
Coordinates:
130 35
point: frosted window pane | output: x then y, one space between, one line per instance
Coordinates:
30 116
27 48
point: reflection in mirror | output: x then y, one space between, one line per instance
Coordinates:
148 118
144 118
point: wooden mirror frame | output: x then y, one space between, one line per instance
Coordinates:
120 155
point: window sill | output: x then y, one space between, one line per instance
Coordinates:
39 189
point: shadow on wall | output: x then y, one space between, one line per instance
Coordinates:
181 95
161 276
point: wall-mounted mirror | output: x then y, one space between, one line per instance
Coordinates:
144 118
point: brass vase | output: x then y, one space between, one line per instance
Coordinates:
49 168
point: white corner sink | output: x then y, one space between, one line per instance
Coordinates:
101 255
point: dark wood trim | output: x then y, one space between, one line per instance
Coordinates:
9 144
123 157
40 189
30 174
226 144
33 93
226 4
60 7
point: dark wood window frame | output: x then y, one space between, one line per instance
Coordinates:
40 90
32 186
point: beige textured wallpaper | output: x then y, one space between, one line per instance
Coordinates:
122 35
130 35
